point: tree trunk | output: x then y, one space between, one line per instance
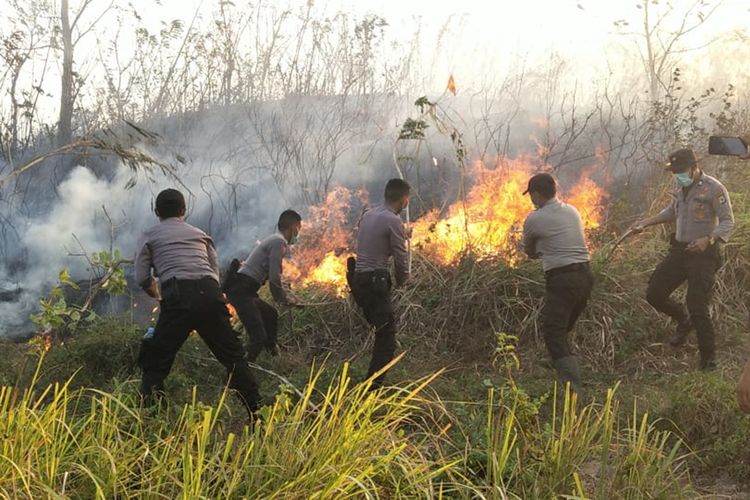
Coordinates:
64 127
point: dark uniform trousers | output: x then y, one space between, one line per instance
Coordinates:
699 270
260 319
567 291
372 292
198 305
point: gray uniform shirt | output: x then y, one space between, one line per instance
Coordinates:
554 232
265 263
175 249
705 210
381 235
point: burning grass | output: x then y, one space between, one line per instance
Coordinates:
486 224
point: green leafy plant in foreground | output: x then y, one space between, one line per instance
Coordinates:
57 313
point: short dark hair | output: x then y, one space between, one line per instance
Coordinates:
169 203
543 184
287 219
395 189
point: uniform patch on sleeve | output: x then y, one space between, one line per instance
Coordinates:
722 199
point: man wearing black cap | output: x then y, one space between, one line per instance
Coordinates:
702 211
554 233
184 259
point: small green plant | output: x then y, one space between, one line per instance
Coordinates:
55 311
413 129
109 271
505 353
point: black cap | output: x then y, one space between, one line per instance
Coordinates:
169 203
681 160
542 183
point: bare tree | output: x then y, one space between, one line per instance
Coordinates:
662 36
71 34
18 49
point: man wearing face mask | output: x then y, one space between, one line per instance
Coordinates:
554 233
265 263
702 211
381 235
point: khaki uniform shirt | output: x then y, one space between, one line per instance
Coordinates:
554 232
265 263
380 235
175 249
701 210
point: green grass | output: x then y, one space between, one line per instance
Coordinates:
484 428
336 440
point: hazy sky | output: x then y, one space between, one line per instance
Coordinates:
480 40
489 35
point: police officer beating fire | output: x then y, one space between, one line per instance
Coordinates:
381 235
702 211
554 233
265 263
184 259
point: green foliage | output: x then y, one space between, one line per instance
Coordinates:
109 264
505 353
413 129
349 443
55 311
581 451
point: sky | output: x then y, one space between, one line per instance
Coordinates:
477 41
492 35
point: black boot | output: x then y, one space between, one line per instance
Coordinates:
708 364
568 371
680 335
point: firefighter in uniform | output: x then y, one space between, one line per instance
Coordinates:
184 259
265 263
381 235
554 233
702 211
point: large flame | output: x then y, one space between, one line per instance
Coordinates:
326 240
485 223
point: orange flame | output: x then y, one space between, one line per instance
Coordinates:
231 310
588 198
326 240
330 273
487 224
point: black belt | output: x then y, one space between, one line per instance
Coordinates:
195 283
578 266
682 245
244 284
377 273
